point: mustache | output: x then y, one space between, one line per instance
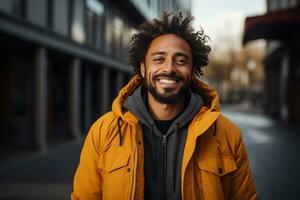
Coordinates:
171 75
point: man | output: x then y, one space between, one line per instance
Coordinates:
165 137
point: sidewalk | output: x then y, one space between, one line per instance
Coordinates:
41 176
273 150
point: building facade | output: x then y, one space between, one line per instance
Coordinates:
280 26
62 63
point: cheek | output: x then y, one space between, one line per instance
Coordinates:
148 76
187 73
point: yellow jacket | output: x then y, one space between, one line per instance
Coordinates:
215 165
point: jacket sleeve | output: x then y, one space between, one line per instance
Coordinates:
243 186
87 180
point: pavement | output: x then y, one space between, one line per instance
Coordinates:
40 175
272 146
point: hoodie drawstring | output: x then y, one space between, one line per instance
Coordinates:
119 131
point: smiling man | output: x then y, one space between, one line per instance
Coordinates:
165 137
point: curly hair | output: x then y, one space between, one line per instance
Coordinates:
171 23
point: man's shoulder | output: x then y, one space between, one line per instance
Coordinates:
227 124
104 121
225 128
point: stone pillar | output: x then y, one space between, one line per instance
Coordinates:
74 100
120 81
105 90
283 87
87 99
40 99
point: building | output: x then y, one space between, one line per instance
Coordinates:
62 63
280 26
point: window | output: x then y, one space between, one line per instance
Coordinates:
6 5
15 7
117 32
36 12
60 16
95 23
77 22
108 31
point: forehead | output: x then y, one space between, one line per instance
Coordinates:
169 43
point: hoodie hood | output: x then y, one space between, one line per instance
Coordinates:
209 96
135 103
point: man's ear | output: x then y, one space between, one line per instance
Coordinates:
142 69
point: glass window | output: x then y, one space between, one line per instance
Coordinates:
90 27
77 25
60 16
15 7
108 32
36 11
127 35
117 39
125 41
95 24
95 6
6 5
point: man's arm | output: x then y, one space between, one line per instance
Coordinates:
243 186
87 180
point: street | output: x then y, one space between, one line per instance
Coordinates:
273 149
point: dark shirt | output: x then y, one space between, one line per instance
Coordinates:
163 125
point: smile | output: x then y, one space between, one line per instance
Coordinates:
167 81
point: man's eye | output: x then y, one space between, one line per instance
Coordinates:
180 61
157 60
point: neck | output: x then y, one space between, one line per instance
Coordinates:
160 111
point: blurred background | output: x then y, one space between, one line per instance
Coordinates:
63 62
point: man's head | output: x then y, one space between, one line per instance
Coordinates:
167 53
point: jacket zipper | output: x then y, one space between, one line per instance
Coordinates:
164 143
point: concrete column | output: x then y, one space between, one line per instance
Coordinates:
74 100
87 99
120 81
40 99
105 90
283 89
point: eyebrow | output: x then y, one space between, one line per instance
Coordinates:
158 53
164 53
182 54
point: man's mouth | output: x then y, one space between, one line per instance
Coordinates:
167 80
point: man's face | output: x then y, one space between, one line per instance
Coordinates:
168 68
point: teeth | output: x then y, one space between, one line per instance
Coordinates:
168 81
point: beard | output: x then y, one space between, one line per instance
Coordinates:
169 96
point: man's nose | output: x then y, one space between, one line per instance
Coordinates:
169 66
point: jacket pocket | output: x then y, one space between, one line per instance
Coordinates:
116 175
219 166
110 162
214 177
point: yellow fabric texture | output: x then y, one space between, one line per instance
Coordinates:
215 165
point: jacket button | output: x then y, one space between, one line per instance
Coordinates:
139 142
128 170
220 170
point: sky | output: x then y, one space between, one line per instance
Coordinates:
223 20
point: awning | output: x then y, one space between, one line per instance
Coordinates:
280 25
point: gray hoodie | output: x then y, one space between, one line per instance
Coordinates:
163 151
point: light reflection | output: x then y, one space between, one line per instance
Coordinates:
78 33
258 136
250 120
